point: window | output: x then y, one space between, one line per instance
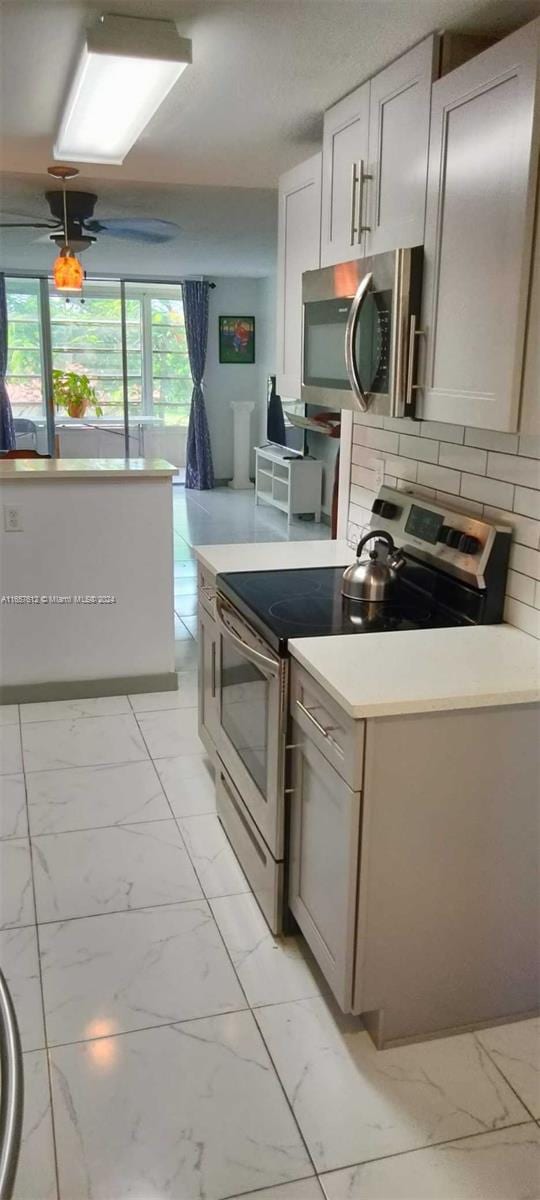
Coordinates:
86 337
171 376
25 359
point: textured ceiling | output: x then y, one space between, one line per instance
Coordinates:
248 108
251 105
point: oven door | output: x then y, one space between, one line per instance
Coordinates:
359 333
251 688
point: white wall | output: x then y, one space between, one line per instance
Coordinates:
224 382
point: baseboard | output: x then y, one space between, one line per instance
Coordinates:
83 689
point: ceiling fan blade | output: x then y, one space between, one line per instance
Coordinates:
142 229
29 225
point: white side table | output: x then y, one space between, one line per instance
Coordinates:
242 410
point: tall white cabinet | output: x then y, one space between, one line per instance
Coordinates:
299 239
479 222
375 154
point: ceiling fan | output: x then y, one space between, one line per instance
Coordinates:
72 219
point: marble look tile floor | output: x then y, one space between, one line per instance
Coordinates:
175 1050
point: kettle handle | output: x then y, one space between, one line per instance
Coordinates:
375 533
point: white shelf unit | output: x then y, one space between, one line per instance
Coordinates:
294 485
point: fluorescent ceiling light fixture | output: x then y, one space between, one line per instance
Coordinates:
127 67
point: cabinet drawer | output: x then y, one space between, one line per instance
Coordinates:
337 736
263 872
207 589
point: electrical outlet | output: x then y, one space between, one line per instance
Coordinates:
379 473
12 519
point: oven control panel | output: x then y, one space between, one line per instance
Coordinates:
456 542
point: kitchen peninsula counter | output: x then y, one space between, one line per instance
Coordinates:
86 562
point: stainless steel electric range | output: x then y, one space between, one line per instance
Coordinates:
454 574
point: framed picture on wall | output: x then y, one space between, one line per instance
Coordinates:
237 340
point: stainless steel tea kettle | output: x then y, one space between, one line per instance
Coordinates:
371 578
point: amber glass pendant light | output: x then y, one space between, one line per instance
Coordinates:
68 273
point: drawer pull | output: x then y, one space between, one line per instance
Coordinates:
321 728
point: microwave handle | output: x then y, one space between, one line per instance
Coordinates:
270 665
350 334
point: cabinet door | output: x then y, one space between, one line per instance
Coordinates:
480 209
345 153
399 110
208 703
299 249
325 823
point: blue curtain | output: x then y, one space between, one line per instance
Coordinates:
7 432
199 466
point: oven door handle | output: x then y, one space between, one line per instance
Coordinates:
271 665
350 335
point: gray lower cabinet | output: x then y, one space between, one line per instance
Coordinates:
208 699
324 848
419 893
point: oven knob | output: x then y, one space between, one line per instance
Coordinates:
449 537
442 535
384 508
468 544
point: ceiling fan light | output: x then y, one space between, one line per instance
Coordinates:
127 67
68 274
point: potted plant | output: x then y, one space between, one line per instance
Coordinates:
75 393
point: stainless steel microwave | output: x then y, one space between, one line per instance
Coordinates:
360 326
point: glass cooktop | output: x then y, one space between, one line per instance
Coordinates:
308 603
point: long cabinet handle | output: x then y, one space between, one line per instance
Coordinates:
354 185
321 728
363 177
411 387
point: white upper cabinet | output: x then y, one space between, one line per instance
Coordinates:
299 241
375 160
398 149
479 222
345 156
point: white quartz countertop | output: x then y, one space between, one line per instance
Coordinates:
424 670
14 469
274 556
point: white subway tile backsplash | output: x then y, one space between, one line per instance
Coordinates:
422 449
463 458
522 616
446 433
402 468
529 444
525 560
471 470
377 439
403 425
364 477
368 419
520 587
524 531
524 471
488 439
487 491
439 477
527 502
